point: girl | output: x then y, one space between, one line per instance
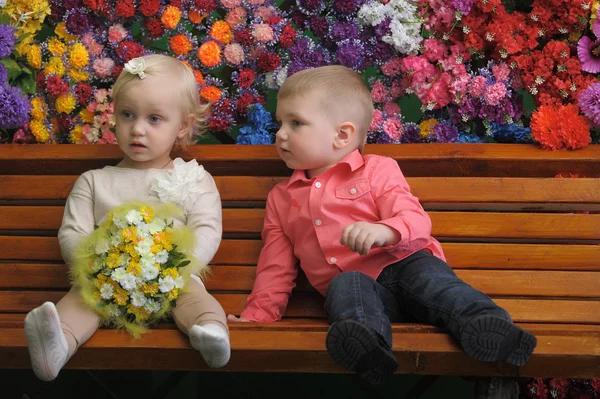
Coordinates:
156 105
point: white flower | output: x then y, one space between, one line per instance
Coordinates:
136 66
134 217
143 247
138 299
156 225
127 280
162 256
102 246
119 222
166 284
281 76
99 263
2 3
152 306
106 291
180 184
179 282
118 274
113 310
116 240
149 272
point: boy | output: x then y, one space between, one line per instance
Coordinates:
362 238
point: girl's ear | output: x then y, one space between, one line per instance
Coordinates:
186 126
345 134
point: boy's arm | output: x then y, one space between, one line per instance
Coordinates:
78 218
275 274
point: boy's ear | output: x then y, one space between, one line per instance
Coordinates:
345 135
186 125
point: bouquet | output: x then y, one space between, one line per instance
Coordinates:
134 265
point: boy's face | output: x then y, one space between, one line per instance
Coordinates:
305 139
148 121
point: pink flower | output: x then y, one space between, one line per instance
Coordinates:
434 49
256 2
236 17
376 121
103 67
459 85
391 108
501 71
263 33
392 67
231 3
393 128
92 106
234 53
108 137
477 86
495 93
91 44
397 89
101 95
264 12
116 33
379 93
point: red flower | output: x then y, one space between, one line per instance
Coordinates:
83 93
274 20
176 3
244 37
218 125
125 8
154 27
56 86
246 78
93 4
245 100
117 69
206 5
288 35
559 127
40 81
537 389
269 61
64 122
149 7
128 50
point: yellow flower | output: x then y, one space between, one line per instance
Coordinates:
147 213
594 12
427 127
129 234
34 56
170 17
56 47
121 297
65 103
55 66
134 268
130 249
156 248
140 313
173 294
150 289
61 31
170 272
86 116
100 280
78 56
39 108
39 131
113 260
79 76
76 135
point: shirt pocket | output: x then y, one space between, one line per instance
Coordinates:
353 190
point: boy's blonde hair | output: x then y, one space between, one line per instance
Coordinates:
344 89
157 64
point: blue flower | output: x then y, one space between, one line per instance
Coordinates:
511 133
14 112
469 138
257 129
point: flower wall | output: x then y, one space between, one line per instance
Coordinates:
439 70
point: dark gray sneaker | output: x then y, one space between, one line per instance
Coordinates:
356 348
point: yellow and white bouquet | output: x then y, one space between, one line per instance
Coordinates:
134 265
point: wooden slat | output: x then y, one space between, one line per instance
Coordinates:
241 278
445 224
585 193
515 160
459 255
312 305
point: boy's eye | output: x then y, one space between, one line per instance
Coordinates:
296 123
155 119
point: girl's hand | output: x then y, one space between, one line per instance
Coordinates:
362 236
237 319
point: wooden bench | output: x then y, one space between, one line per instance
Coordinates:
507 225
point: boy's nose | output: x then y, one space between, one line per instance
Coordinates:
281 135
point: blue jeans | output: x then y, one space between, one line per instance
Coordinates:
420 288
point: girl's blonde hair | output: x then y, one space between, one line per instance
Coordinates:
157 64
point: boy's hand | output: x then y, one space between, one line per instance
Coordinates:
362 236
236 319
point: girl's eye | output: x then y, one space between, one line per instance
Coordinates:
127 114
155 119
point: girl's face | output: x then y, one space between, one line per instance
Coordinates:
149 121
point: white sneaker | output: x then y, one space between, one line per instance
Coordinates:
48 348
212 341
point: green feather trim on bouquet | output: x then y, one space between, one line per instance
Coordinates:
132 268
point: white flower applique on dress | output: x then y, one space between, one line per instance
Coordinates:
180 185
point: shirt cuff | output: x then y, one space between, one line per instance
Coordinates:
399 226
258 315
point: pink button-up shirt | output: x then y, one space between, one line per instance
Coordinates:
304 219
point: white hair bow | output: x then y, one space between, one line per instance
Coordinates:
136 66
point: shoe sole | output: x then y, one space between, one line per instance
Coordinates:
489 339
354 347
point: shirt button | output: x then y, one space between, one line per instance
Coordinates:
318 184
353 191
333 260
318 222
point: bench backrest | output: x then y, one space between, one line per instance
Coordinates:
508 226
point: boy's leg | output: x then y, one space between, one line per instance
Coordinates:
202 318
360 336
54 333
427 288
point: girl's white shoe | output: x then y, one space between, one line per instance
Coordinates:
48 348
212 341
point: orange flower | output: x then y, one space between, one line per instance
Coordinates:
170 17
180 45
196 16
557 127
199 78
221 31
209 54
210 94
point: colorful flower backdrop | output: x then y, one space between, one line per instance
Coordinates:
439 70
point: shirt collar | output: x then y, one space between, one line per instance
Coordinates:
355 160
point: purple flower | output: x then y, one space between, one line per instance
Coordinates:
3 74
464 6
411 133
7 40
305 54
57 10
15 107
382 52
445 132
344 6
77 22
310 7
589 102
319 26
588 52
351 54
72 4
345 30
383 28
